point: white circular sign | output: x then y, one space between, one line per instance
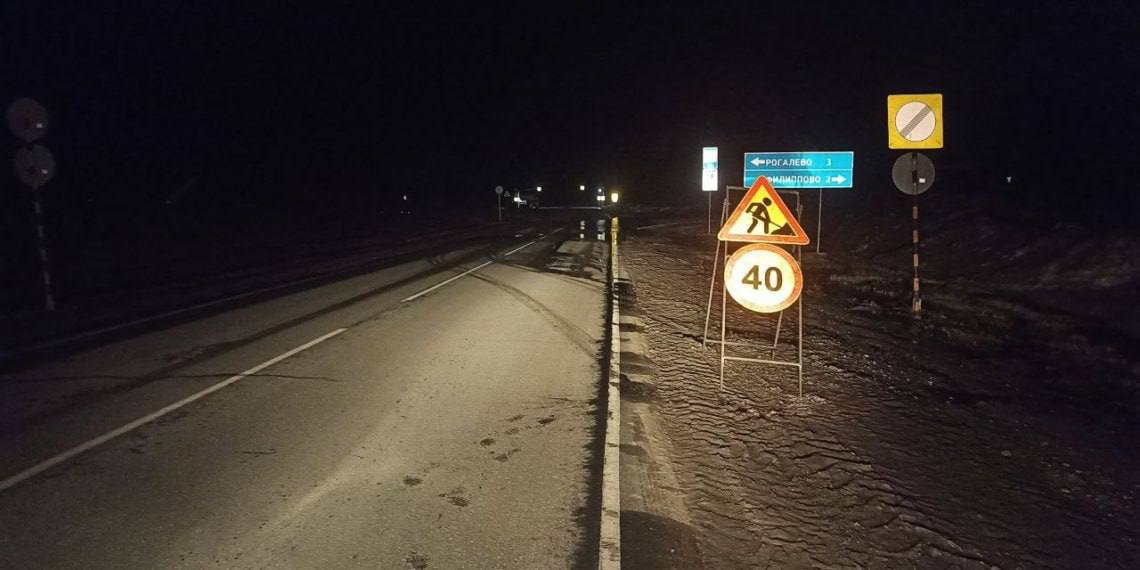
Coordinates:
915 121
763 278
34 165
27 119
499 190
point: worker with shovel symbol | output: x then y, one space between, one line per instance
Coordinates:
759 213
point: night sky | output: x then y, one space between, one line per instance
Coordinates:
261 106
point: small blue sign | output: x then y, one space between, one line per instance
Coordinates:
800 169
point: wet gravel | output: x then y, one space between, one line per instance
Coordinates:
979 436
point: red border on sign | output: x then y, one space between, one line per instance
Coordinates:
798 237
796 291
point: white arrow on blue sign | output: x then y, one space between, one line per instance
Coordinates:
800 169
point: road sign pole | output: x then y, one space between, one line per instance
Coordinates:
916 298
819 222
710 212
41 240
35 166
499 206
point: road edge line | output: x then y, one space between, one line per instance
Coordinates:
90 444
609 541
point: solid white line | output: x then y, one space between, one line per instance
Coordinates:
465 273
91 444
609 543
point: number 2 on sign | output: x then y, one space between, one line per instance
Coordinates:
773 278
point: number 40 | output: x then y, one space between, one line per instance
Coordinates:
773 278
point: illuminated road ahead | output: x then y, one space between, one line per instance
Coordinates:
452 430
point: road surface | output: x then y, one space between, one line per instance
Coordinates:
364 423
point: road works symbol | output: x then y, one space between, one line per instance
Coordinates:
762 217
763 278
914 121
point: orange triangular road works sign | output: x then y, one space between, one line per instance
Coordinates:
762 217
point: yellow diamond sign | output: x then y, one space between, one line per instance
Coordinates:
914 121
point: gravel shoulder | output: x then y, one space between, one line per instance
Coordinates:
993 432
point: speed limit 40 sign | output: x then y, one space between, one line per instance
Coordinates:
763 278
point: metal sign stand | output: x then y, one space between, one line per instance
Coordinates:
718 258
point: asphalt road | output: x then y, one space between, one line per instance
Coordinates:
350 425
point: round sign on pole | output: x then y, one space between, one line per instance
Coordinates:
763 278
27 119
913 173
915 121
499 190
34 165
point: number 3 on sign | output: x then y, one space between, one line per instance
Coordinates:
763 278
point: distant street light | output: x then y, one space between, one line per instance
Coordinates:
539 188
581 187
613 197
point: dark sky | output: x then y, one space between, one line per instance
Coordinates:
269 105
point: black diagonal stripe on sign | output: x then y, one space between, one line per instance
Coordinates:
918 117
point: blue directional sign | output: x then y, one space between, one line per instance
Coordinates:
800 169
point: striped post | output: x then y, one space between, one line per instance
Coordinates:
45 267
916 297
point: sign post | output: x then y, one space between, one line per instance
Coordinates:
914 121
709 182
34 165
499 202
788 170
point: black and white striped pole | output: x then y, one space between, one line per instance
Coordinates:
34 165
916 295
41 241
913 173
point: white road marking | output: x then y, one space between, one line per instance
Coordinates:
100 440
438 285
520 248
466 273
609 540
